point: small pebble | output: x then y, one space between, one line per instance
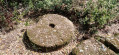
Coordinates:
81 50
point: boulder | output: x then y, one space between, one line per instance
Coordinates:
91 47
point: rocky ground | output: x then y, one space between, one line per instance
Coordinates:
104 42
11 43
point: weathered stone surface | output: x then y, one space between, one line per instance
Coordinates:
114 41
52 30
91 47
111 34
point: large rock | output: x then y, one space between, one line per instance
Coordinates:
51 31
91 47
110 34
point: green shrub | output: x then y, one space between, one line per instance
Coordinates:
11 6
99 13
7 16
52 4
96 14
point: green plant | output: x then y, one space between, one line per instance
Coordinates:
99 13
95 14
7 15
51 4
26 23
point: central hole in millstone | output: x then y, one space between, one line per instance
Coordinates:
52 25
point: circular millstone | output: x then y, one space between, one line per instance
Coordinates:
52 30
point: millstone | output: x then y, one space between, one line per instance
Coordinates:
52 30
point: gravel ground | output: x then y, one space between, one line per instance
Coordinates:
11 44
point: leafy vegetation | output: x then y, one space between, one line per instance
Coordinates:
100 13
7 15
10 8
95 14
